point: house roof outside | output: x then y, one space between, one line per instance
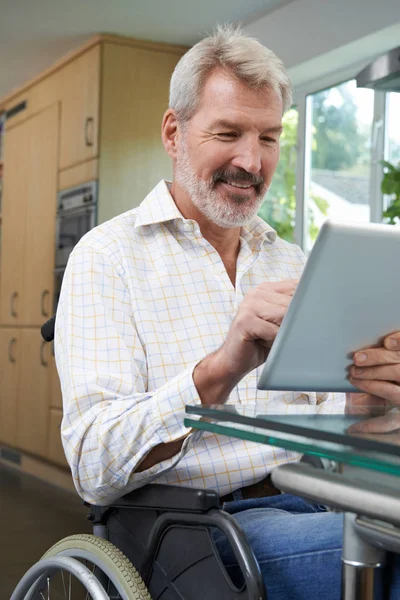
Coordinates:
353 188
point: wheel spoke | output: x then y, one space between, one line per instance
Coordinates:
65 589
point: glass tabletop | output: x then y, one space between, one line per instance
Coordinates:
302 430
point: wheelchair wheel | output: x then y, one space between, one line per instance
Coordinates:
110 567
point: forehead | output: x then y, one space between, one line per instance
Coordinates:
225 96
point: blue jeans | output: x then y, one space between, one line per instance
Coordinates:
298 547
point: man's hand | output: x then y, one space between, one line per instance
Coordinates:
376 372
248 341
255 326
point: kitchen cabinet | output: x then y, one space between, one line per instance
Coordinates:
28 224
134 93
33 393
15 192
80 93
94 116
10 363
40 218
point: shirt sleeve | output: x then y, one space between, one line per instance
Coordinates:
110 420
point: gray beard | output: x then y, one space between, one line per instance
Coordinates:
236 213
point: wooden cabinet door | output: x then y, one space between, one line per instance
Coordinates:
33 394
80 97
16 185
41 170
9 364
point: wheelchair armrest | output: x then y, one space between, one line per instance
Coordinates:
170 497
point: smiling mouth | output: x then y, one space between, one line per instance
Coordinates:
238 186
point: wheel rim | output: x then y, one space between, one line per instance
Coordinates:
63 585
104 571
37 583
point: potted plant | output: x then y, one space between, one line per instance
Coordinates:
391 186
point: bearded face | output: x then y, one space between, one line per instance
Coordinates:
228 150
231 197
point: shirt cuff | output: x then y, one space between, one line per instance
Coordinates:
169 405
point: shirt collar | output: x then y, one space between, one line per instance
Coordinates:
159 207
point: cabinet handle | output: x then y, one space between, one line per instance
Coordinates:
11 343
89 129
13 312
43 362
45 313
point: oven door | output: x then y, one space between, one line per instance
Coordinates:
71 226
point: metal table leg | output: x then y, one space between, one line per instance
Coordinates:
359 559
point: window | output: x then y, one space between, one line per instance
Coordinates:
337 177
393 128
279 206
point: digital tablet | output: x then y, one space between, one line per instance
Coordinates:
348 298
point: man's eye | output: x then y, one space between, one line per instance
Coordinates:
269 140
227 134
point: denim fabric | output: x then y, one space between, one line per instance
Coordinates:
297 545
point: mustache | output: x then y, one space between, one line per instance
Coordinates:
238 176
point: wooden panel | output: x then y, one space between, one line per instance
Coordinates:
55 387
145 44
33 397
12 98
135 85
80 91
15 192
81 173
37 98
41 173
9 365
55 448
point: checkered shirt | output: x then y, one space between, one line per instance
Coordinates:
144 298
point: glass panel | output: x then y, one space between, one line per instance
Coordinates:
331 451
304 430
73 227
338 179
279 207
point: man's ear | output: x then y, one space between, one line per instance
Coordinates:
170 132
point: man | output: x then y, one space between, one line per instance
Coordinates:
178 301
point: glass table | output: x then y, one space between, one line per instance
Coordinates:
361 475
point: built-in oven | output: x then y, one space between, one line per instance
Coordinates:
76 215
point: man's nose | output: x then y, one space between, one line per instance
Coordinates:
248 156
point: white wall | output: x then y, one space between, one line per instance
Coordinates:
315 37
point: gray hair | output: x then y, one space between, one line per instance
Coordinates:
242 56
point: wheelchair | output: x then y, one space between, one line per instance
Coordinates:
153 543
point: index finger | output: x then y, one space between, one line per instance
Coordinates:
376 356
